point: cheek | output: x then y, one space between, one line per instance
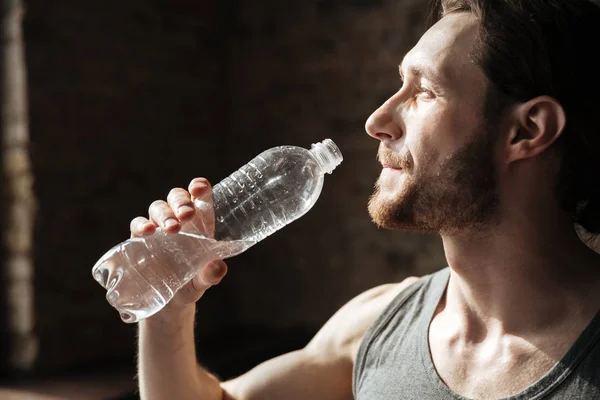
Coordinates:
437 133
424 142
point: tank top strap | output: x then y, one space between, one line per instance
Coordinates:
430 287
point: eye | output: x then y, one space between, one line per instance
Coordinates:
426 93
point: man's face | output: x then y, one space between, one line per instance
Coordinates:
436 149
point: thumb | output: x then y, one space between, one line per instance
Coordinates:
210 275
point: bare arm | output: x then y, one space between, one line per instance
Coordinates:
167 356
322 370
167 367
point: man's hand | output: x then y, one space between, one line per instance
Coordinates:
167 356
173 214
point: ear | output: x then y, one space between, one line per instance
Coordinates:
537 124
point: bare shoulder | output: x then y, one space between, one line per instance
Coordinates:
340 337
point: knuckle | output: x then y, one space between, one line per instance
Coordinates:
156 204
137 225
175 192
177 196
160 210
190 294
134 224
137 221
199 286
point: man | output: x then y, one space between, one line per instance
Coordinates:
491 141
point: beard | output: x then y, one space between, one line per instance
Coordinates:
457 195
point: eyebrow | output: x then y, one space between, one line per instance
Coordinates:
422 71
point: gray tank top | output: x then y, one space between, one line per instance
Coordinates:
394 361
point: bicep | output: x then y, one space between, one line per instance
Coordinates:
299 375
323 369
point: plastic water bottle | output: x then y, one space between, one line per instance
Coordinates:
141 275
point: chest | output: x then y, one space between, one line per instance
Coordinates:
409 369
400 359
489 370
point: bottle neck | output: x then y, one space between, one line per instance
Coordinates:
327 155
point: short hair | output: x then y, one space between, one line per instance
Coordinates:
529 48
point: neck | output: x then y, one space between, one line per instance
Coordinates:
521 275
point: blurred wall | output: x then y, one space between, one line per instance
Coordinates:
125 98
131 98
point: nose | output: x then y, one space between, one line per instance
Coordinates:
382 124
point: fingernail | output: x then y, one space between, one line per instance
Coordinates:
184 209
171 222
147 226
200 185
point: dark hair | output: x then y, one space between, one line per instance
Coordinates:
529 48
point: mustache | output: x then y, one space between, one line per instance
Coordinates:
396 160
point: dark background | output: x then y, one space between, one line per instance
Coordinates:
128 99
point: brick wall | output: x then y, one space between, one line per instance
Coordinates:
128 99
122 97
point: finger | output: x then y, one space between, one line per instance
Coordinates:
210 275
141 226
199 187
163 216
201 192
180 201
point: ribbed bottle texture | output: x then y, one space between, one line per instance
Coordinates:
141 275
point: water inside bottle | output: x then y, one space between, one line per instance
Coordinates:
143 274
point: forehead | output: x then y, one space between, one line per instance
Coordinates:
446 47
